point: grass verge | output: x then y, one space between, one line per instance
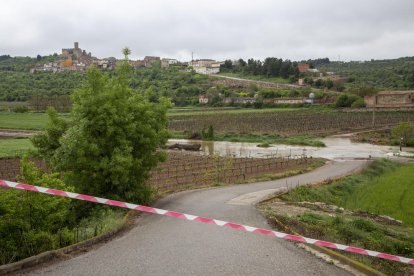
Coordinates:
351 211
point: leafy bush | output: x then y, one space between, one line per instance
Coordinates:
20 109
404 130
28 221
359 103
209 135
364 224
346 100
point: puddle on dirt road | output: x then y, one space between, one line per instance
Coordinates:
336 148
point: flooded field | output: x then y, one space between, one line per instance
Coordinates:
336 148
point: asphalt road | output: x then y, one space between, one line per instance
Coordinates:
166 246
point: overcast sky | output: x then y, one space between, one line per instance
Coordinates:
219 29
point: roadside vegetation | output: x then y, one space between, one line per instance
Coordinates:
372 209
106 150
402 134
32 223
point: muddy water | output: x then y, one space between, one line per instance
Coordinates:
336 148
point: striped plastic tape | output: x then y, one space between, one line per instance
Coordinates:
147 209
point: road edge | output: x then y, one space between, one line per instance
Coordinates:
67 252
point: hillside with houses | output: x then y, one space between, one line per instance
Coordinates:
253 83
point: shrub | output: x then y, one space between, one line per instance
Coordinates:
404 130
359 103
20 109
31 217
346 100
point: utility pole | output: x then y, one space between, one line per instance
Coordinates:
373 117
192 56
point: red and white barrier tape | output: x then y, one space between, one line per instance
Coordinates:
357 250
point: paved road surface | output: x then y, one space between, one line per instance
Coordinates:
167 246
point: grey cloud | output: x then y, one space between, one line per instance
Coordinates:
298 29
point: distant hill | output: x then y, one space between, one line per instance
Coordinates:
378 74
23 64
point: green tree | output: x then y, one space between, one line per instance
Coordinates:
347 100
111 144
359 103
48 142
329 83
126 51
227 65
404 130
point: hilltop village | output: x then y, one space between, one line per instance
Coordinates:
76 59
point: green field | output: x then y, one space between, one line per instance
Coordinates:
390 194
14 147
23 120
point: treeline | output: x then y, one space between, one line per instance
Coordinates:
183 88
21 86
24 64
375 74
315 63
270 67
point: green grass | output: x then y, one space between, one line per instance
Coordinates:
23 120
391 194
385 188
14 147
29 121
264 140
356 231
258 78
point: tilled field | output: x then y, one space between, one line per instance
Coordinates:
290 122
